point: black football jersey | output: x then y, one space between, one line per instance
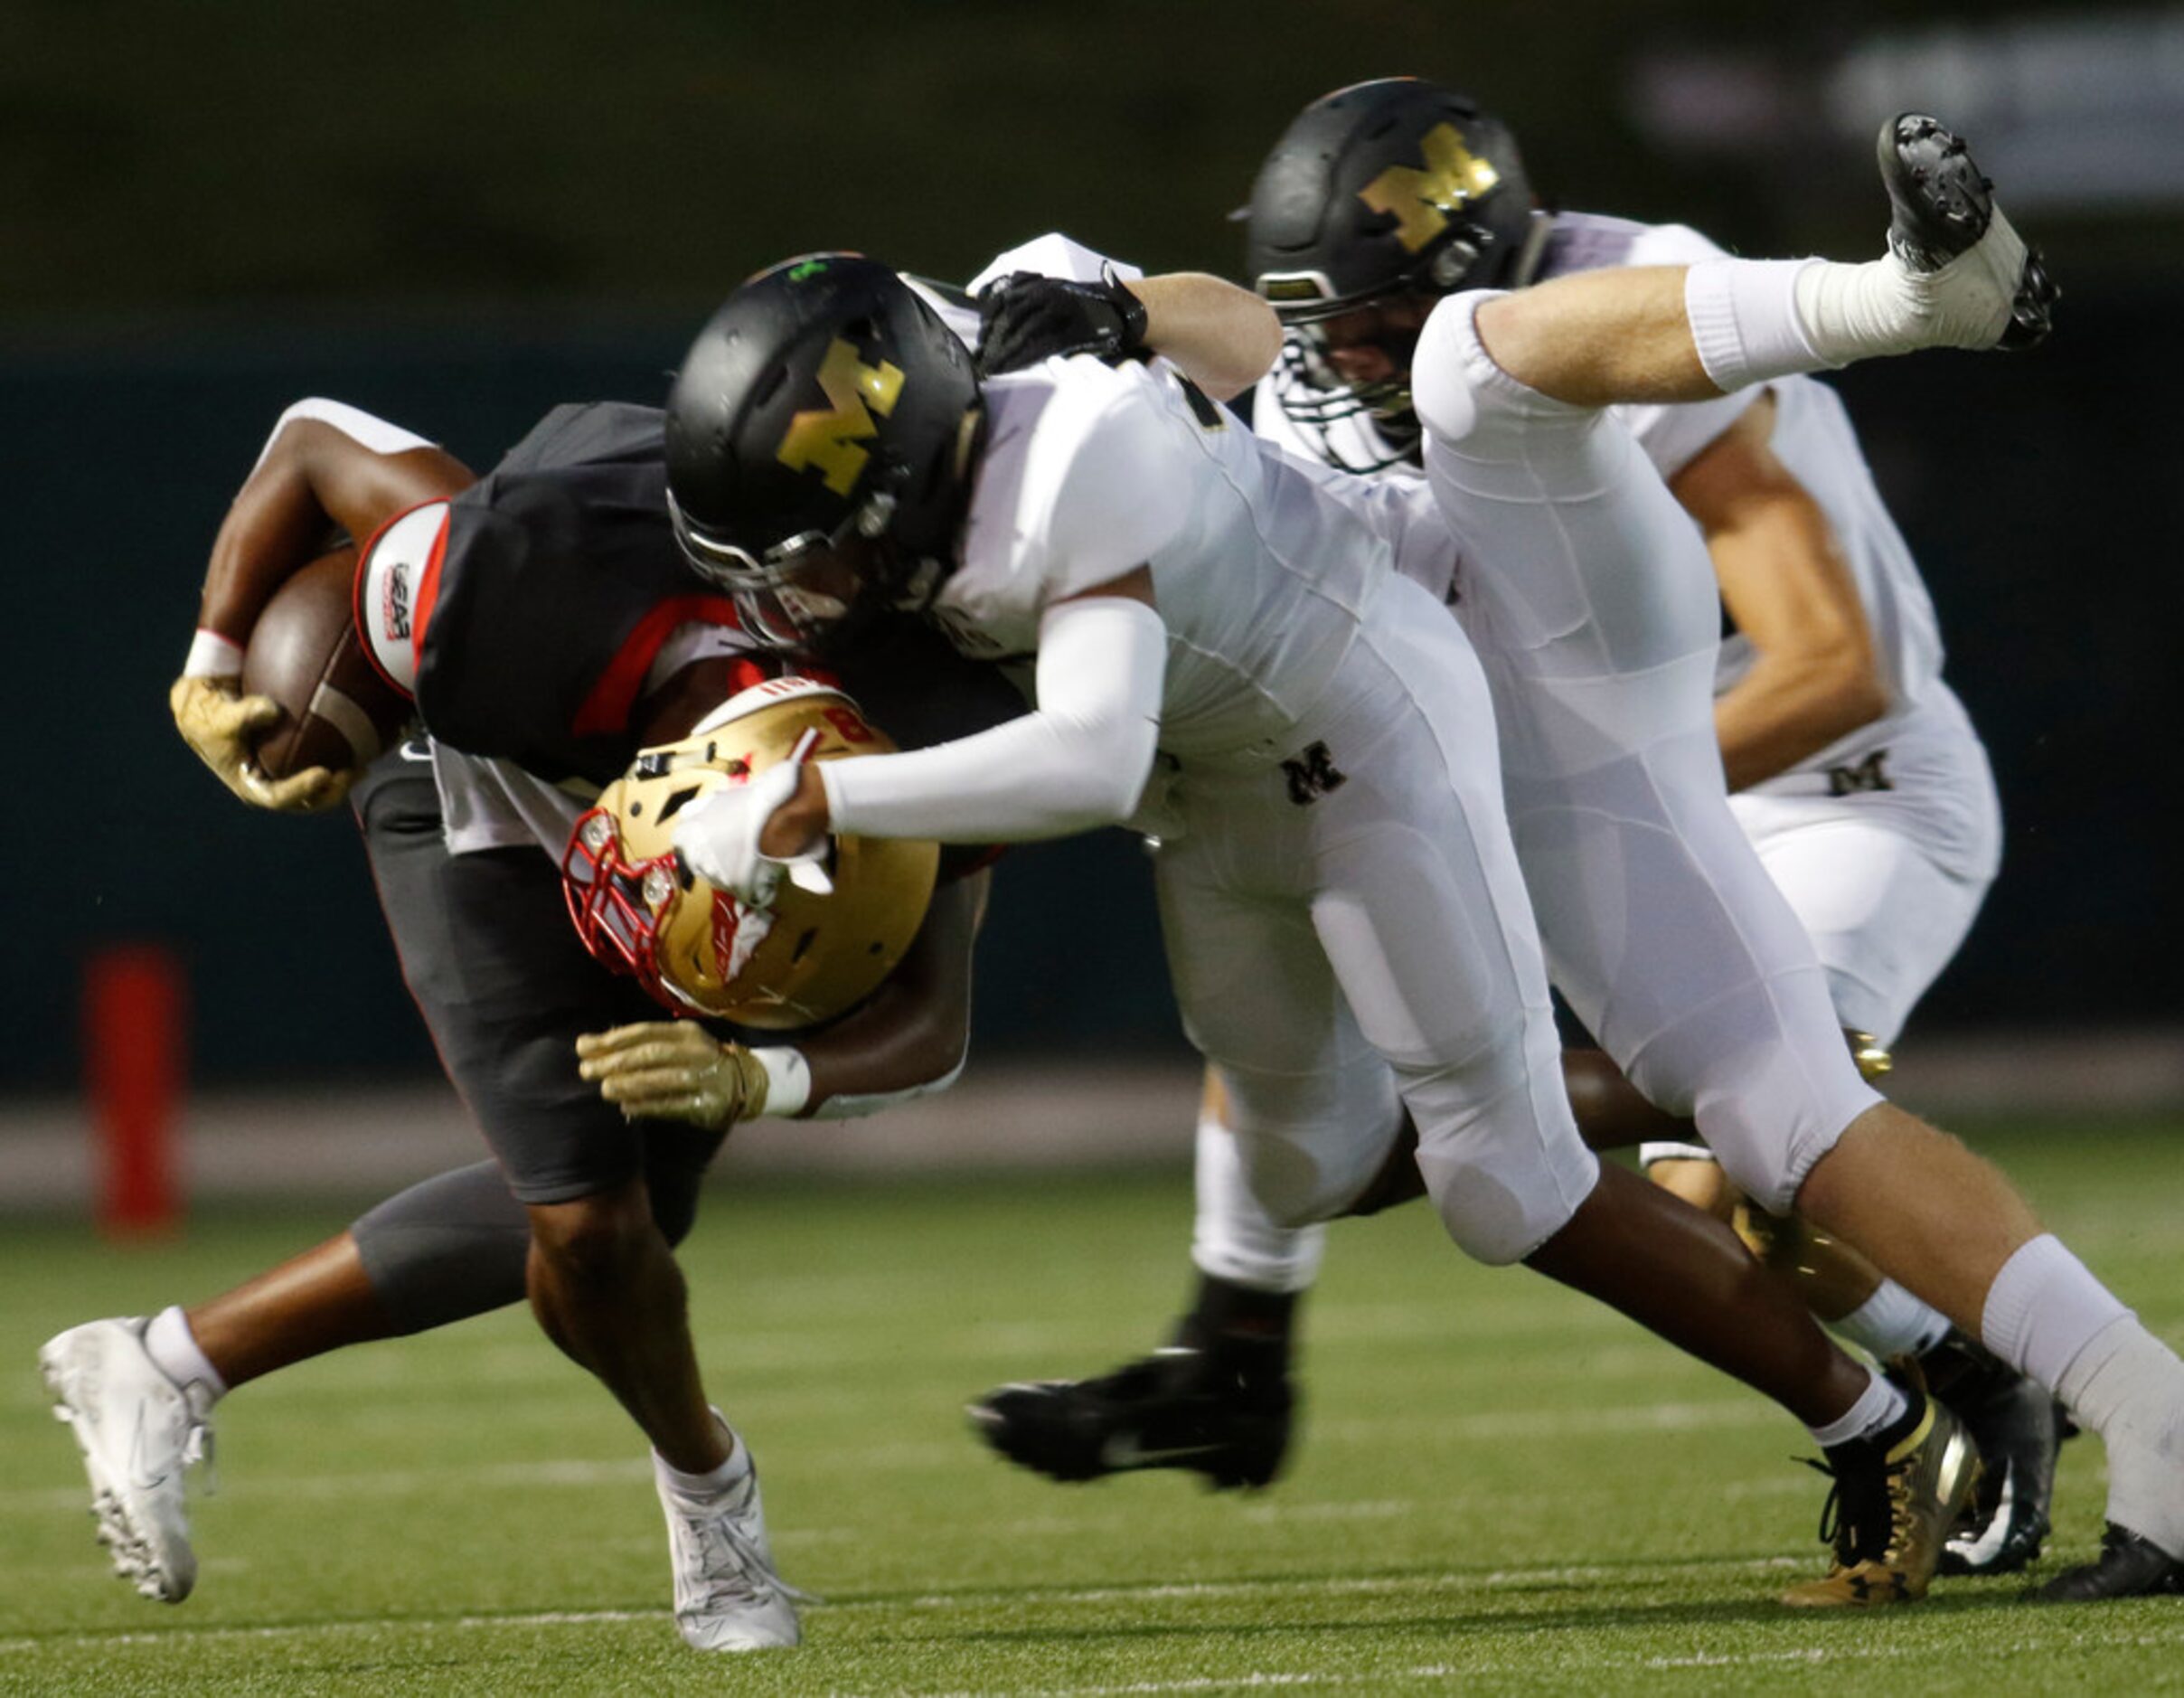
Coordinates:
559 580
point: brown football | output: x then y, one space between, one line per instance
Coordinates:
336 711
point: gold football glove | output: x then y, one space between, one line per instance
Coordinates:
217 722
674 1070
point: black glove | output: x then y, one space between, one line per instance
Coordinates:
1024 318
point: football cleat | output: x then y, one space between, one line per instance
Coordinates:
1983 288
1895 1499
1224 1412
729 1596
2128 1567
138 1432
2014 1423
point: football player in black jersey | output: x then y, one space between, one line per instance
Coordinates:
543 621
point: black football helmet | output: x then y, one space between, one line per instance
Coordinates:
1382 190
823 403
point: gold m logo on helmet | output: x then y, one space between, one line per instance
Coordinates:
1422 200
829 439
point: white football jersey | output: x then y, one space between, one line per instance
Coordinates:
1260 570
1927 737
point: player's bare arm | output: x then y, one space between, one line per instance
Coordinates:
328 469
1786 583
315 477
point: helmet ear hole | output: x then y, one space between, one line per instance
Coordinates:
674 804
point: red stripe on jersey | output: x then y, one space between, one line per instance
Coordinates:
607 709
428 593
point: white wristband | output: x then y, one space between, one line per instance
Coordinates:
212 655
789 1080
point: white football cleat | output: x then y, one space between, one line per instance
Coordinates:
138 1431
729 1596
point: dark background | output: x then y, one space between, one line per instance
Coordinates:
456 217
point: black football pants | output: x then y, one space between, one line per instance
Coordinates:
505 988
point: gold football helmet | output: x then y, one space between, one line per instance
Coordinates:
816 951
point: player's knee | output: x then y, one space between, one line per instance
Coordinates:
1499 1153
1499 1213
594 1244
1304 1195
1303 1173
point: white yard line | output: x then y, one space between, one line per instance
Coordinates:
2070 1632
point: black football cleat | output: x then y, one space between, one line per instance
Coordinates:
1223 1412
2013 1421
2127 1566
1942 211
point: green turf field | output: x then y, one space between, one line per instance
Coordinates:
1500 1487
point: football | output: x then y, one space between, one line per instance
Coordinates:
336 711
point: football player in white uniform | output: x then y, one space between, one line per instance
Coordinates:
1857 773
1347 928
1594 603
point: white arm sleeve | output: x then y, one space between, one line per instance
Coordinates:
374 433
1078 760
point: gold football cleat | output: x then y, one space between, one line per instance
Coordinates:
1889 1516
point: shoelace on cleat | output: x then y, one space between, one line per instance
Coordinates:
746 1575
1843 1522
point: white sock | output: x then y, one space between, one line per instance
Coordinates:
1755 319
1878 1405
1852 312
1893 1323
2044 1308
174 1352
1233 1238
2129 1387
2048 1316
1744 323
2120 1362
713 1481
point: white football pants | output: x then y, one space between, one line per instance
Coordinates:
1592 603
1350 927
